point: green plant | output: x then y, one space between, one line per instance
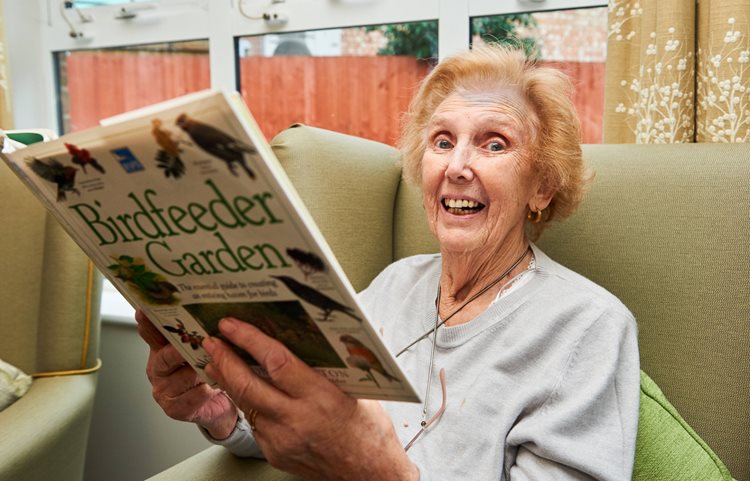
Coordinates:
420 39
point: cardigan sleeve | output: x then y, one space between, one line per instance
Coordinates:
240 441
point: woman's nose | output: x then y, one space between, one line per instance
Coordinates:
459 166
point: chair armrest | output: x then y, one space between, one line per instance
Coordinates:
218 463
43 435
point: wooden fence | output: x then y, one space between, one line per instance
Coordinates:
363 96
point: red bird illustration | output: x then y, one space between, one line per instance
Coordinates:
188 337
217 143
53 171
168 156
83 158
363 358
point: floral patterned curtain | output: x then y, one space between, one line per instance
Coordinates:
678 71
6 113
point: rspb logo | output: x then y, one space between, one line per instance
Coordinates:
127 160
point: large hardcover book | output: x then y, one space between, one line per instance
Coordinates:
185 209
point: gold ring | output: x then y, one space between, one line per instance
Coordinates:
252 415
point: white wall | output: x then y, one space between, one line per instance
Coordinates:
29 64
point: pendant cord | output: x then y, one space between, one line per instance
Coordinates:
472 298
438 324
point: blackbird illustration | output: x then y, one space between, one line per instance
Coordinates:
362 358
316 298
83 158
168 155
62 175
308 262
217 143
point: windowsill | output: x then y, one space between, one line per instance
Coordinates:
115 309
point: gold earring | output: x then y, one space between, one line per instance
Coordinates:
534 216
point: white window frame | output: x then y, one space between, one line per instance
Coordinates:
37 29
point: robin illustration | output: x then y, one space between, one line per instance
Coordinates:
362 358
62 175
316 298
168 155
218 144
83 158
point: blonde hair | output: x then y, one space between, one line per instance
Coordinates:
555 152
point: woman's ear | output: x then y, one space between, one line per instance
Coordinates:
543 196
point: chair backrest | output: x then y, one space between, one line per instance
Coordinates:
49 317
349 184
665 228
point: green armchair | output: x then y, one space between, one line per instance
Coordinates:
665 228
49 321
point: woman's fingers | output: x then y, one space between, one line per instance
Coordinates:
149 332
165 361
247 389
286 371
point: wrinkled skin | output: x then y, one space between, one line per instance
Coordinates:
179 391
305 424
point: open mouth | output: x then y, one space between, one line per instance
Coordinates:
461 206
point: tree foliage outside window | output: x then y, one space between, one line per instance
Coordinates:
420 39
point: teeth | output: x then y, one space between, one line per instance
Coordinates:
461 203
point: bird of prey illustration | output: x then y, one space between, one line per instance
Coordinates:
53 171
218 143
168 155
316 298
83 158
363 358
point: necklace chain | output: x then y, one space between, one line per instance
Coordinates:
439 323
472 298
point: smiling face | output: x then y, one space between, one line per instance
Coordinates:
477 178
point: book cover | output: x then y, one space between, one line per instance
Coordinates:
185 209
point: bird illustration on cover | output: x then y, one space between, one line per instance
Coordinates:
316 298
218 143
363 358
168 155
53 171
308 262
186 337
153 287
83 158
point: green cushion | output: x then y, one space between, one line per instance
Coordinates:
667 448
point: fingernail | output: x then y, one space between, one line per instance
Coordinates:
209 344
228 325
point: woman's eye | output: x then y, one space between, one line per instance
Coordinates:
495 146
442 144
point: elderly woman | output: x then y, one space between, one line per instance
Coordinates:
531 370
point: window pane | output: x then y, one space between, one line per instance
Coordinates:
574 41
354 80
95 84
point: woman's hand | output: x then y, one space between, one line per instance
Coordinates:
304 423
179 391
